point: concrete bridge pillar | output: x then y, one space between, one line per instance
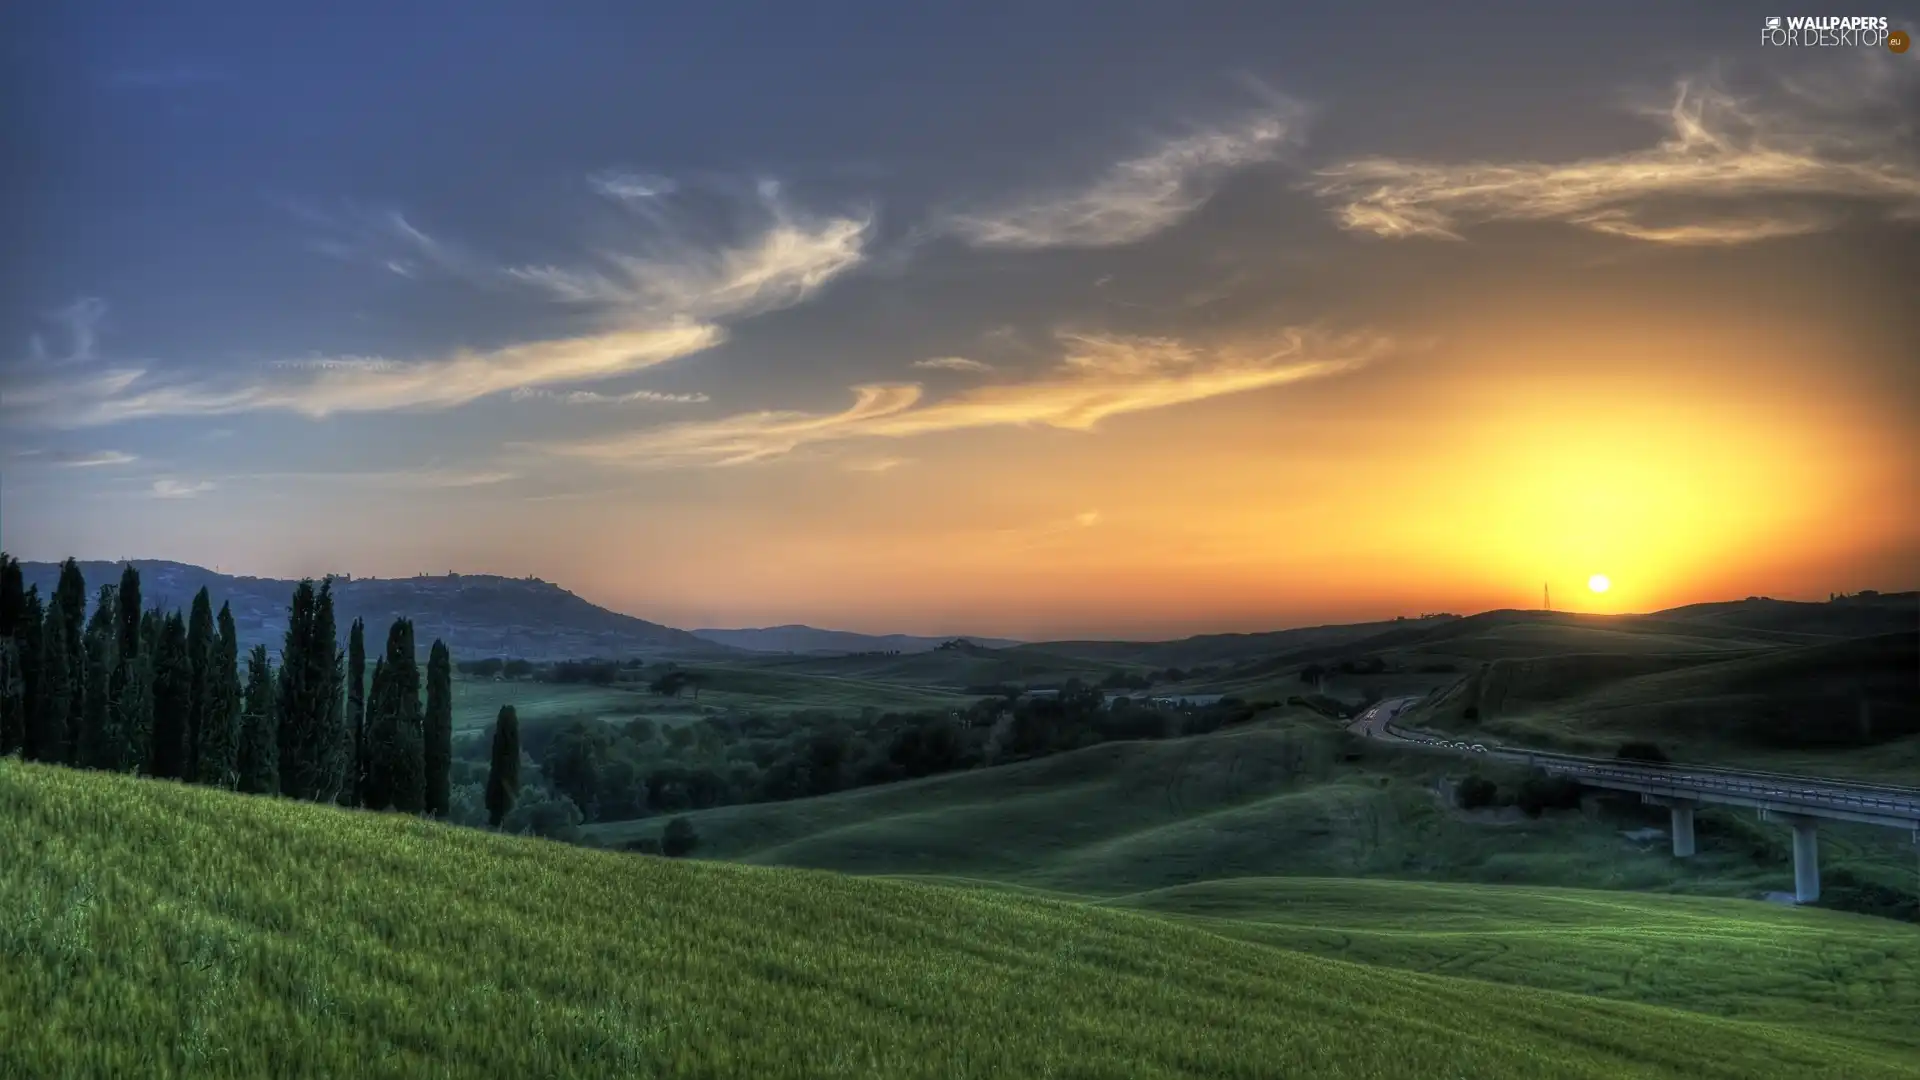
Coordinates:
1806 860
1682 813
1806 853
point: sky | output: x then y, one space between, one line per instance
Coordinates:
1040 320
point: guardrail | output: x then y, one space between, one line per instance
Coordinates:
1679 782
1797 778
1813 790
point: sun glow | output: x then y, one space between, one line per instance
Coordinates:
1599 583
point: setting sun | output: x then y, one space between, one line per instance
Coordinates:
1599 583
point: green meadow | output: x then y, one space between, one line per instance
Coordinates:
150 928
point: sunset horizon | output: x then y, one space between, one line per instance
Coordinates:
1126 343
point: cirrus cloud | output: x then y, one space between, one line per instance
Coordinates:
1096 378
1141 196
953 363
1807 146
671 302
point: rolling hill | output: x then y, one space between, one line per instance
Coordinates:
476 614
808 639
1852 704
153 928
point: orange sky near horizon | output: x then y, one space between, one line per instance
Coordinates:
1127 356
1686 465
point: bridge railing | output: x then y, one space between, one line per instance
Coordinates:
1809 788
1817 795
1717 770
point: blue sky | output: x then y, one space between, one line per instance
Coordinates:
1003 317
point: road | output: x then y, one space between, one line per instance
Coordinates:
1840 800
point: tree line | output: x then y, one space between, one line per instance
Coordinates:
142 690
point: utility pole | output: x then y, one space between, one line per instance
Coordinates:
1546 597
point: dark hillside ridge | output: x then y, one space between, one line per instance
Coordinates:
795 638
477 615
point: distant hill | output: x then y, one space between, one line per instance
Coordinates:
1228 648
1859 615
477 615
794 638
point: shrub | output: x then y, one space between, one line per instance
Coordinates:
1475 792
678 839
1541 792
1642 751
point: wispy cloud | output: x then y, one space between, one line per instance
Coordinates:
321 388
594 397
953 363
389 240
88 459
426 478
670 302
1795 152
168 488
873 465
793 257
631 185
1098 377
1140 196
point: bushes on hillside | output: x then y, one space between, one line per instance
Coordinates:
1476 792
639 768
1540 793
678 838
1642 751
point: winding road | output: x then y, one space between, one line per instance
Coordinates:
1798 801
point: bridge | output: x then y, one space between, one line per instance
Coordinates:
1800 802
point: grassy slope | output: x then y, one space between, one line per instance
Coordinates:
155 929
952 668
478 701
1699 704
1264 800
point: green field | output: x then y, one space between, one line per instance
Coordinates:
150 928
1837 708
1273 798
728 687
476 702
955 668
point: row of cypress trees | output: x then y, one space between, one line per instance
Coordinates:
133 689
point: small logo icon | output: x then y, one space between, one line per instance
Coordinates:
1773 24
1898 41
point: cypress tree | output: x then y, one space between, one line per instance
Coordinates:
72 594
219 762
438 731
377 790
13 594
28 639
503 777
172 700
291 719
407 771
199 679
49 735
259 757
101 746
357 707
312 736
333 746
13 685
129 689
